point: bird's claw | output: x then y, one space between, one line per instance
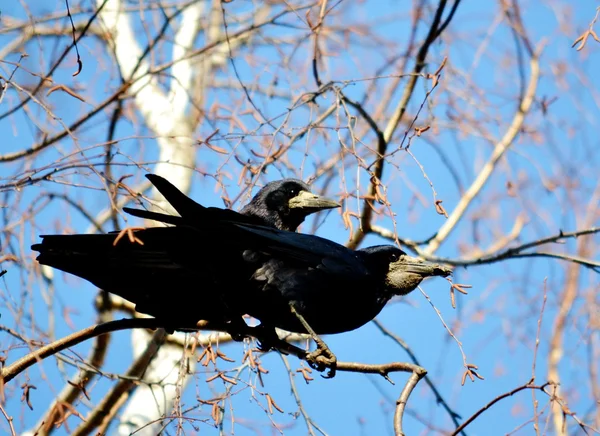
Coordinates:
264 346
323 358
266 338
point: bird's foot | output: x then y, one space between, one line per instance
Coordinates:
267 338
265 346
322 358
238 329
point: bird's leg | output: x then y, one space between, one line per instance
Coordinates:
322 357
267 338
237 328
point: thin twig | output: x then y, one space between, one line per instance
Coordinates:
499 150
528 385
106 410
10 421
536 424
73 388
437 26
517 252
470 369
307 419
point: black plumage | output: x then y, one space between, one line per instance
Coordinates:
282 204
177 273
217 265
335 289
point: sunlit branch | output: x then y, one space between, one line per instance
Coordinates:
499 150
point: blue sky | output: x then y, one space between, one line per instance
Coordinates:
496 322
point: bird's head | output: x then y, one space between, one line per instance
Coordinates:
285 204
404 273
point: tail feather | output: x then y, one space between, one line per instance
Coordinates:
162 277
174 274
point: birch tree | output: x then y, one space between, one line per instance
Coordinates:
463 132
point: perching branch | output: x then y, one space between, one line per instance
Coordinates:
11 371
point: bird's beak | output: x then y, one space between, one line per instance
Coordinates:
308 200
423 268
408 272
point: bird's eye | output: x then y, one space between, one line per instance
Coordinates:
394 257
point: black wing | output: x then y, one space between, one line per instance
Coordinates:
330 285
301 251
242 232
184 205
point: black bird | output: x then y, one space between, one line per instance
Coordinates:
334 288
283 204
303 283
176 272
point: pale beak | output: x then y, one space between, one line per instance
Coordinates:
308 200
408 272
413 265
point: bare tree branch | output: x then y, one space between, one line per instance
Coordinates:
11 371
499 150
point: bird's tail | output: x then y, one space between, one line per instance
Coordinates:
128 269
